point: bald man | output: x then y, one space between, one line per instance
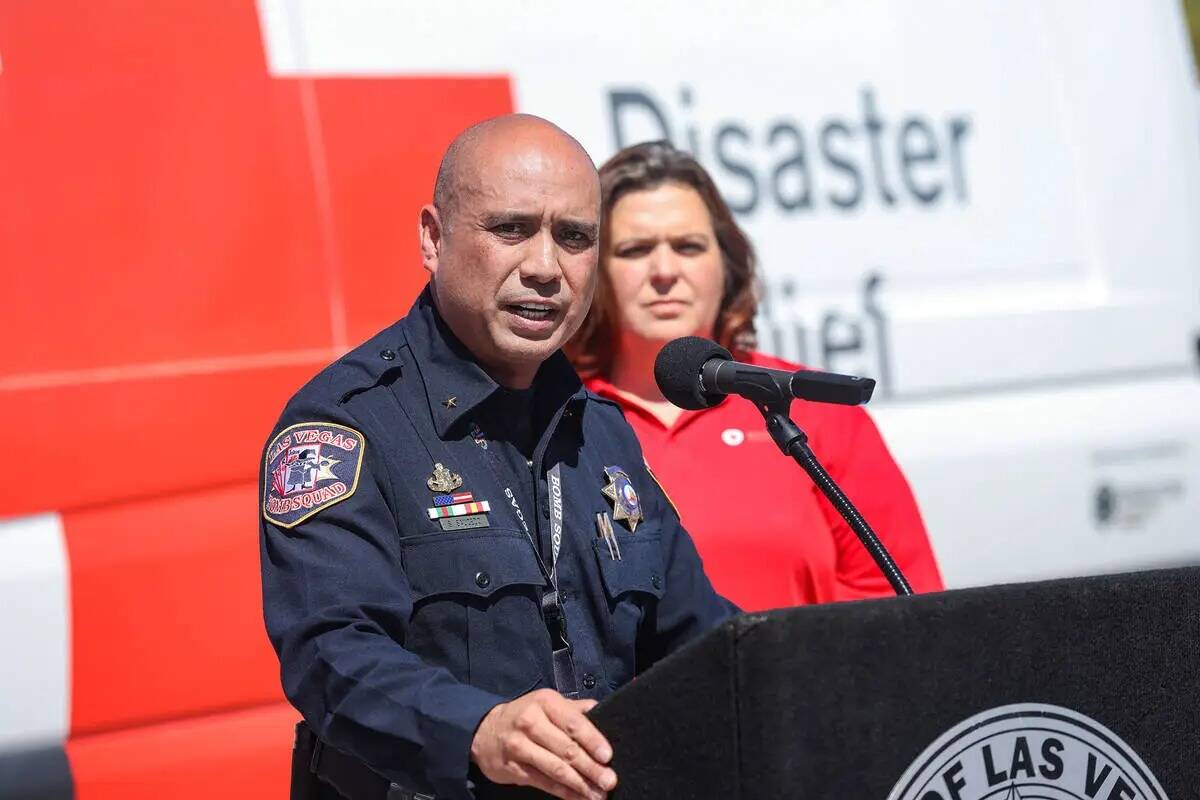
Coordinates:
462 548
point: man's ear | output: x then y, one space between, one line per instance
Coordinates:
430 230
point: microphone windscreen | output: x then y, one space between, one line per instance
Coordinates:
677 371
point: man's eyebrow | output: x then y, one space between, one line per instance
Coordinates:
497 217
582 225
500 217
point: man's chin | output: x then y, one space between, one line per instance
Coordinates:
518 348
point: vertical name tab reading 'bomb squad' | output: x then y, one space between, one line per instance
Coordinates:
309 467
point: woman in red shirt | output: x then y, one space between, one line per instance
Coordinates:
674 263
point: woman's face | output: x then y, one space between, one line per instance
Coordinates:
664 264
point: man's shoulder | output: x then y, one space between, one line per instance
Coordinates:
606 409
609 425
608 417
328 393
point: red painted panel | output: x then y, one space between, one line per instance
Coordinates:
158 216
170 209
384 139
242 754
166 608
84 36
152 216
91 443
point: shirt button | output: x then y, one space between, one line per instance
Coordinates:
656 581
387 355
589 681
483 580
546 509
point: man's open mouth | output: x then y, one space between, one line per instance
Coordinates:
532 312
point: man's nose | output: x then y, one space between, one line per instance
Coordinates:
541 261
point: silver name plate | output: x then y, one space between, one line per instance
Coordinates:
463 523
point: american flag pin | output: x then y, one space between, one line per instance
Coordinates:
451 499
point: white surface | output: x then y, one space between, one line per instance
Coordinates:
34 629
1044 319
1009 483
1081 159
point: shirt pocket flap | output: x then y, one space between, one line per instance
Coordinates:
639 569
477 564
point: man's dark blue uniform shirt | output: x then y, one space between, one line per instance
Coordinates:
398 627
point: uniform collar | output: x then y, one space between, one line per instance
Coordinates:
455 384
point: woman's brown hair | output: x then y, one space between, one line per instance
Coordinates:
644 167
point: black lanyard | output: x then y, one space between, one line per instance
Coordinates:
565 679
556 500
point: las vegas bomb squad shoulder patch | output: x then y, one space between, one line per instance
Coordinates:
309 467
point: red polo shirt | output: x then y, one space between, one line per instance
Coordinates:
767 535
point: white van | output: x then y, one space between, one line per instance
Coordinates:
993 208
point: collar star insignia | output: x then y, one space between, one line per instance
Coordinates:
626 506
443 480
450 402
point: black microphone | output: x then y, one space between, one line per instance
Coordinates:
695 373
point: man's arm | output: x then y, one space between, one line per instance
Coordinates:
690 606
337 603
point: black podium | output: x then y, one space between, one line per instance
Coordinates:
1082 688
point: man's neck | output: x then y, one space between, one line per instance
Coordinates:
511 376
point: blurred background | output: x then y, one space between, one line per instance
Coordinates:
992 207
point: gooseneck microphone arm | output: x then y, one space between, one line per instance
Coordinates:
794 442
695 373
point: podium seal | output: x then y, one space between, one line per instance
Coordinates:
1028 750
